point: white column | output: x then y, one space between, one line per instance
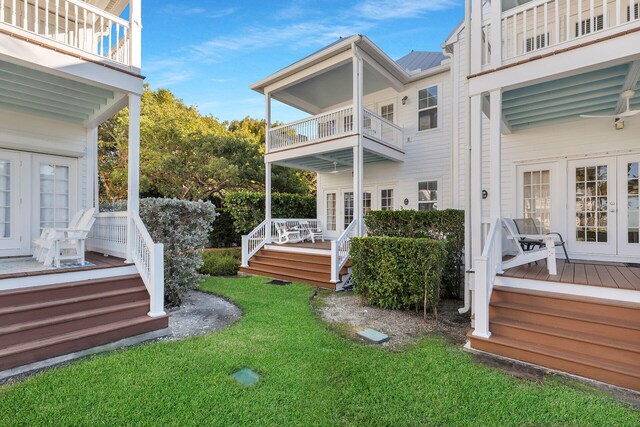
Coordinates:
135 33
133 191
496 33
358 153
495 160
476 37
92 169
476 175
267 167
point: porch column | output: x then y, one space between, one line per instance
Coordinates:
267 167
496 35
133 191
476 36
92 169
358 152
476 175
135 35
495 161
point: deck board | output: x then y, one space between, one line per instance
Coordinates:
99 260
581 273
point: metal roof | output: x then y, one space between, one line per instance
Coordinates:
416 61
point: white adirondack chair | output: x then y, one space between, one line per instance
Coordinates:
67 244
39 243
546 252
285 234
310 232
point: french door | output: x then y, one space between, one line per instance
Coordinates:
603 205
10 218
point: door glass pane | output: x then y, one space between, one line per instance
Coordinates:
633 204
537 198
54 196
348 208
592 216
331 211
366 203
5 198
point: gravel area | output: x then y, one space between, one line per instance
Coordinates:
201 313
347 309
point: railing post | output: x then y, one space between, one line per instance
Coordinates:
550 244
135 34
334 261
245 251
481 300
157 282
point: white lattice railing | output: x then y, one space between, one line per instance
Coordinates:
486 267
73 23
323 126
539 24
109 234
252 242
292 224
377 127
149 259
340 250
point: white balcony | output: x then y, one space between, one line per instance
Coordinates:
76 27
540 27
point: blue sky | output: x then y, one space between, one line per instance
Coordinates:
209 52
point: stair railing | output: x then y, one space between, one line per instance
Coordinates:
149 260
254 241
340 250
487 266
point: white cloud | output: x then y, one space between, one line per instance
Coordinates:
202 11
380 10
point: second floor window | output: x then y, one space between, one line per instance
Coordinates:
386 111
428 108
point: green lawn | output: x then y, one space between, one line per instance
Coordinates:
311 376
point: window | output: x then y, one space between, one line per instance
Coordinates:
586 25
54 196
542 40
592 213
428 196
635 12
348 208
386 199
428 108
537 198
386 111
633 206
366 203
5 198
331 211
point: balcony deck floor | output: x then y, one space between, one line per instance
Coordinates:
98 261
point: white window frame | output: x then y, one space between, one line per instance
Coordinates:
438 108
386 103
439 192
555 180
394 200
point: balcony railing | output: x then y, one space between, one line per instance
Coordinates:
540 24
331 125
75 24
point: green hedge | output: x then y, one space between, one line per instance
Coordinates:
447 225
221 262
246 208
388 274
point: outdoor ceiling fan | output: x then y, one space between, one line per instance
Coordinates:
335 168
627 94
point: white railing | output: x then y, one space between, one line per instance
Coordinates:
314 224
486 267
540 24
317 128
73 23
376 127
149 260
109 234
253 242
340 250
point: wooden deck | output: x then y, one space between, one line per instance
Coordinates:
608 275
326 245
99 261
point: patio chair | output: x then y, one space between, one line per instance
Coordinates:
546 251
286 234
38 243
67 244
528 226
310 232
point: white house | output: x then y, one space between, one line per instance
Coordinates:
65 67
494 126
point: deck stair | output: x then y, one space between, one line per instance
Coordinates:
589 337
310 268
38 323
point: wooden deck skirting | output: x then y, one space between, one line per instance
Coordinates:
581 273
99 260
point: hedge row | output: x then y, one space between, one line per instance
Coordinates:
388 274
246 209
221 262
446 225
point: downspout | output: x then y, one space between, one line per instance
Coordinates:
467 162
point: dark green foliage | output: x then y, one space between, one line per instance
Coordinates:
246 208
445 225
221 262
397 272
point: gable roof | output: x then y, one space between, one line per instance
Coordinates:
417 61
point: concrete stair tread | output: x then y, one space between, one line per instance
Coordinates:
568 334
40 305
23 326
76 335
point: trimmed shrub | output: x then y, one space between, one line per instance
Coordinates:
446 225
223 262
387 272
247 208
184 229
